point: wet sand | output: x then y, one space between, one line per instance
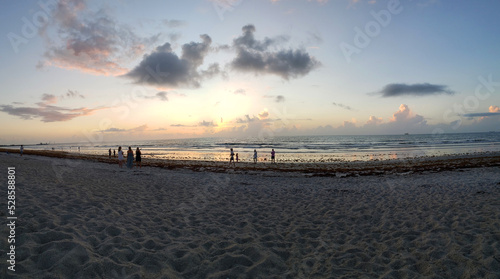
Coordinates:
81 216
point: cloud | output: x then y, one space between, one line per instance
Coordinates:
404 114
162 96
419 89
255 56
113 130
52 99
72 94
494 109
247 119
173 23
163 67
180 125
373 121
263 115
207 124
342 106
141 128
49 99
277 98
482 114
47 112
240 91
89 41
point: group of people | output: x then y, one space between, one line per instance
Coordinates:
232 155
130 157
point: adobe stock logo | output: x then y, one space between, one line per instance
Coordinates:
363 38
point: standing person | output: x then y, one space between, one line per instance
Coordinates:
138 157
120 156
231 159
255 156
273 154
130 158
21 149
114 153
237 159
109 152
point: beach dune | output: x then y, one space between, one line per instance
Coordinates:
85 219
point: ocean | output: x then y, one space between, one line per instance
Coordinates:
297 148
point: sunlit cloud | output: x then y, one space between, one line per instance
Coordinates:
404 114
89 41
47 112
263 115
373 120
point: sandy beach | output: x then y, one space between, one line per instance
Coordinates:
82 217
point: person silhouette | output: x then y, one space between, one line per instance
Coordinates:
130 158
273 154
231 158
255 156
138 158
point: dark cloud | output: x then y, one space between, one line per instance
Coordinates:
73 94
419 89
342 106
277 98
89 41
482 114
257 57
163 67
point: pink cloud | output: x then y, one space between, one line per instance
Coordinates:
88 41
47 112
494 109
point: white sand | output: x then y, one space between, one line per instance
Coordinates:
82 219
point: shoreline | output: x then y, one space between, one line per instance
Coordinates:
342 169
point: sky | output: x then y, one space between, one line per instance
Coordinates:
100 71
